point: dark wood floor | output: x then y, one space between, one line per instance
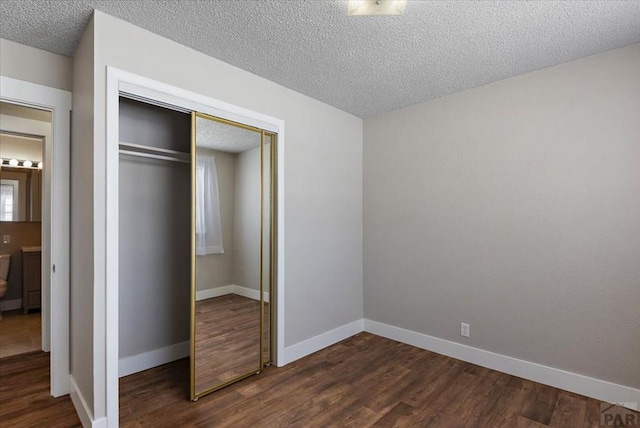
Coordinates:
363 381
24 394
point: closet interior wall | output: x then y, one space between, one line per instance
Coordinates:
154 236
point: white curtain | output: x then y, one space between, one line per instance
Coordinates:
208 224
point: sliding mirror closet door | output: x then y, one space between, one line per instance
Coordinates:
231 252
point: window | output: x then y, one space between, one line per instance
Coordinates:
8 203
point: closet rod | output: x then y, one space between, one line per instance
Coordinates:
153 149
152 156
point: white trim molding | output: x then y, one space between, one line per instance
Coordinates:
210 293
55 221
568 381
157 357
85 415
230 289
321 341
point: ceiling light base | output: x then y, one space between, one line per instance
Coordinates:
376 7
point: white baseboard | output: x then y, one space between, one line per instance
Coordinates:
583 385
10 305
230 289
321 341
85 415
214 292
157 357
250 293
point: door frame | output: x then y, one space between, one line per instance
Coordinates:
172 97
55 221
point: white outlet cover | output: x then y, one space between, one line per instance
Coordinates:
464 329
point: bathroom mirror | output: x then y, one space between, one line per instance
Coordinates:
22 134
232 247
20 177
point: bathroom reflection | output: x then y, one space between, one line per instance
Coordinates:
20 177
22 135
232 248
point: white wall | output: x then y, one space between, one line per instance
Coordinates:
514 207
35 65
323 163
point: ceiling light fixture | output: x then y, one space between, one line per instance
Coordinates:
15 163
376 7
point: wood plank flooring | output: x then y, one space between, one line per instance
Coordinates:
363 381
24 394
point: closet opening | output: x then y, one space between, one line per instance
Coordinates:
197 247
149 159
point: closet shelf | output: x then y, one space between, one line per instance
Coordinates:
140 150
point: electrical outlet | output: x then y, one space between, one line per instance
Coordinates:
6 239
464 329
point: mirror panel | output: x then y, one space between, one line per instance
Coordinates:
231 247
22 134
267 244
20 185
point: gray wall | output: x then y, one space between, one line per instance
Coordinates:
323 212
82 221
34 65
266 218
215 270
323 163
239 185
514 207
246 253
155 232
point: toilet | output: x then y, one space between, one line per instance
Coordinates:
5 260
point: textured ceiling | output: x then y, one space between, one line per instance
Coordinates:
364 65
225 138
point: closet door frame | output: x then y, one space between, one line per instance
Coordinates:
154 92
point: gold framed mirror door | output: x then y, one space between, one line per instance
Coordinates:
232 251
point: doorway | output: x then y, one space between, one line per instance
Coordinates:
23 132
53 296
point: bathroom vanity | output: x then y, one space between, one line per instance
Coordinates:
31 278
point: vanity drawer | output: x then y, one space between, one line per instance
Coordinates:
34 298
31 278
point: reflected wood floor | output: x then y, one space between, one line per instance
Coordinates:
363 381
228 339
